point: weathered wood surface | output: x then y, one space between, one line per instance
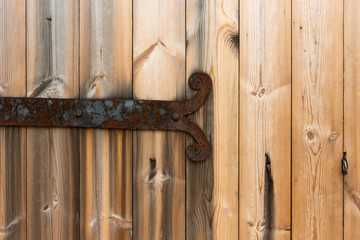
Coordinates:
212 185
317 119
71 184
106 155
265 119
159 157
52 154
12 140
352 118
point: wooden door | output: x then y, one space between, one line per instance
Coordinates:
283 111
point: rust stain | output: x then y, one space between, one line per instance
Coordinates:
113 113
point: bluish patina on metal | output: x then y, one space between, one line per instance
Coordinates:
114 113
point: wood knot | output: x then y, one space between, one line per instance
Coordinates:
310 134
227 212
333 136
250 223
260 92
260 226
46 208
55 201
312 140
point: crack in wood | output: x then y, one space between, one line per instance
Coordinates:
120 222
51 87
143 57
10 228
355 197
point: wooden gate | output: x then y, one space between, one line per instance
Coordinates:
285 107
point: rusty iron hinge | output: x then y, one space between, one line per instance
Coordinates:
114 113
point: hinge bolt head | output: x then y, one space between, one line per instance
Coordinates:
176 116
78 113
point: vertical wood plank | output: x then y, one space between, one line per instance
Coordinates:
159 157
12 140
352 118
212 185
317 119
52 154
265 119
106 167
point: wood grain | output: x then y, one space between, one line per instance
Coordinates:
106 155
317 119
352 118
265 119
212 185
12 140
52 154
159 157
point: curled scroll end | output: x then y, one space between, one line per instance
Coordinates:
196 81
200 82
197 153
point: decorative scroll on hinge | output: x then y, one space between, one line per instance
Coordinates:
114 113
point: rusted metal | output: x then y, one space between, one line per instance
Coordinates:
114 113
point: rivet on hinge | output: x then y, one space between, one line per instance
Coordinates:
344 164
115 113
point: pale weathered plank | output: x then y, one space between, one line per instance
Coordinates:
265 119
317 119
12 140
105 162
159 157
352 118
52 154
212 185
